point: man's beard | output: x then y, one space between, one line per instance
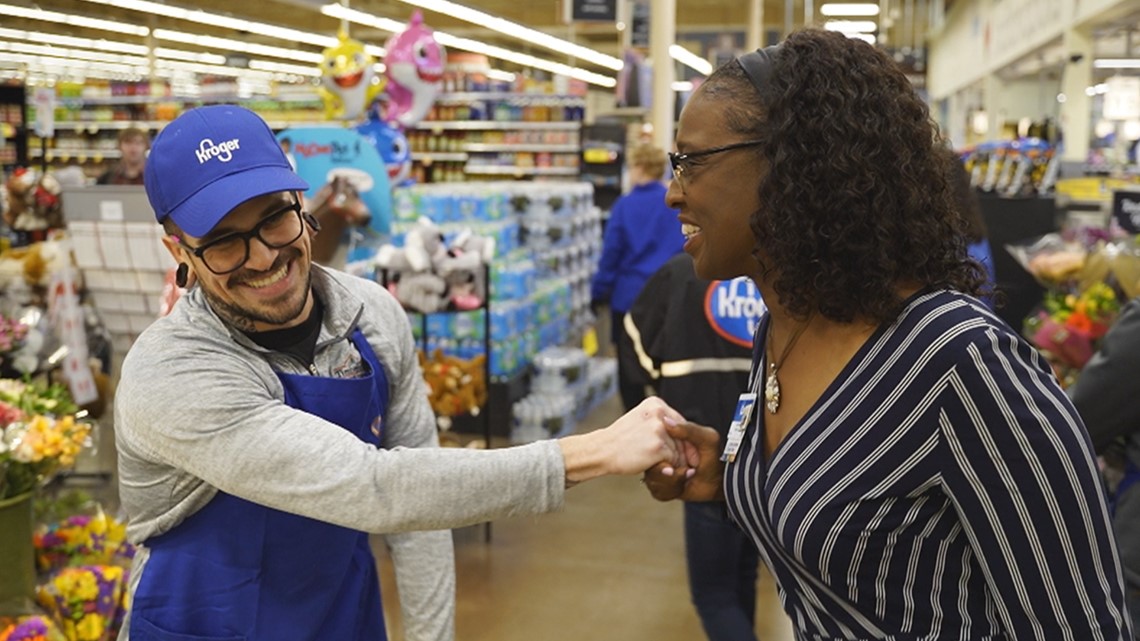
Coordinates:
244 318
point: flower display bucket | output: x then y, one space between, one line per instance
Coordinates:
17 556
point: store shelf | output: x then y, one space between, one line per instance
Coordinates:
471 96
471 125
78 125
75 153
148 100
480 147
439 156
493 170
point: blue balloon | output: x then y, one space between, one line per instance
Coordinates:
392 145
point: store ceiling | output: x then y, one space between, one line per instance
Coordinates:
693 17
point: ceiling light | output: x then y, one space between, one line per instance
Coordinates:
690 59
849 9
1117 63
682 85
851 26
474 46
216 20
515 30
869 38
190 56
280 67
70 41
78 54
498 74
75 21
225 44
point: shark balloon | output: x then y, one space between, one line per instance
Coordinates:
348 81
414 68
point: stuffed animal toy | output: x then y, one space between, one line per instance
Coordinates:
33 202
455 386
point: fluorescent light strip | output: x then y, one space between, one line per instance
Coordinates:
851 26
71 63
498 74
238 45
849 9
514 30
69 41
76 21
202 17
869 38
447 40
523 59
1117 63
690 59
682 85
60 52
281 67
189 56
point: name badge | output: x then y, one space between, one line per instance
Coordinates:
740 420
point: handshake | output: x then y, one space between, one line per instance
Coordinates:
680 460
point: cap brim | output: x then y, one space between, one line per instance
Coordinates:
200 213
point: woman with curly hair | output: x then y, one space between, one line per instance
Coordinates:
906 463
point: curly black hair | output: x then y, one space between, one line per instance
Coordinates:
856 200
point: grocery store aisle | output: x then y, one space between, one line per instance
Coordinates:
610 566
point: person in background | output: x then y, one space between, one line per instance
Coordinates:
691 342
907 464
641 234
1105 394
133 145
278 414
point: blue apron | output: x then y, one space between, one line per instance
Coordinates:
236 570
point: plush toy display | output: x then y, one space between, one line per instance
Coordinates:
455 386
32 204
414 68
427 275
348 81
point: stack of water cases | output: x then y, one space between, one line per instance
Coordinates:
548 241
567 385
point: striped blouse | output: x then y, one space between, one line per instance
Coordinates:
943 487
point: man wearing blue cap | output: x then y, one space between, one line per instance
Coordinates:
278 415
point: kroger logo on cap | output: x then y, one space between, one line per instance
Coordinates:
223 152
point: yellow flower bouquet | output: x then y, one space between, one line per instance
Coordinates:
40 435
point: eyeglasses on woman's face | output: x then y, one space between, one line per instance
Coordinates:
228 253
682 164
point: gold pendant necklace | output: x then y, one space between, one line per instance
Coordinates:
772 383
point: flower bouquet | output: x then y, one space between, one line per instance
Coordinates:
1069 327
87 600
39 435
30 628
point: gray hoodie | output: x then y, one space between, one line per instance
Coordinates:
199 409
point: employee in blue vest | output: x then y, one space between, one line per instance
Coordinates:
641 234
278 415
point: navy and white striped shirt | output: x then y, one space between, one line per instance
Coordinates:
943 487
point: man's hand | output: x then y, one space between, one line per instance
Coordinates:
703 480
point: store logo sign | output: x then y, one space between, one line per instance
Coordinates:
733 309
223 152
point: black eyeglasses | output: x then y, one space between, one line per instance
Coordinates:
228 253
680 162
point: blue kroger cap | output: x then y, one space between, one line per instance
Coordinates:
211 159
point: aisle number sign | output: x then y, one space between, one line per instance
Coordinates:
594 10
1122 100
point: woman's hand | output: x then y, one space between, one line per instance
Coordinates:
704 478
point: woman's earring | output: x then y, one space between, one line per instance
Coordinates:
181 275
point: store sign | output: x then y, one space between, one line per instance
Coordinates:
639 25
44 100
594 10
1122 100
1126 210
733 309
